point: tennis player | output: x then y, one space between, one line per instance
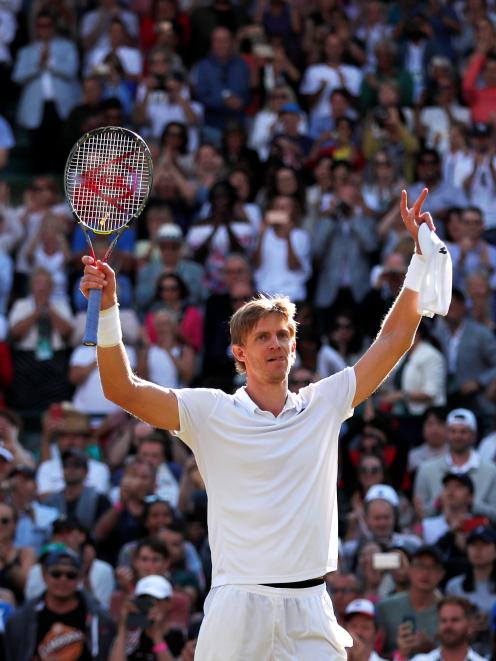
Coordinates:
269 461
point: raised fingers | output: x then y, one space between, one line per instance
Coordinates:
425 217
417 205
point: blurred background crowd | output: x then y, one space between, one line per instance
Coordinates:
282 133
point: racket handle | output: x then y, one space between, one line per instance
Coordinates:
92 315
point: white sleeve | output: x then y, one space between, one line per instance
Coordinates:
338 389
196 406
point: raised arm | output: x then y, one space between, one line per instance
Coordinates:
147 401
399 327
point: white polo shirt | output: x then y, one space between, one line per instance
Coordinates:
271 481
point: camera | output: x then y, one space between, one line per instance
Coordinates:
344 209
139 618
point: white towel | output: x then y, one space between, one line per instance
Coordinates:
436 284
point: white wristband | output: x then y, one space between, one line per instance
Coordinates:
415 273
109 327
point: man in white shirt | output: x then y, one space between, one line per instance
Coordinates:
268 458
455 615
73 432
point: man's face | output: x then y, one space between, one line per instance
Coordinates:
148 563
221 43
343 589
159 516
453 626
481 553
473 223
456 494
152 453
429 168
425 573
68 440
362 627
74 471
460 438
175 544
61 580
434 431
268 350
333 48
380 518
25 486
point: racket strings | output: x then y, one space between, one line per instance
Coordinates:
108 179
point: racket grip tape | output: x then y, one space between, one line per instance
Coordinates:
91 330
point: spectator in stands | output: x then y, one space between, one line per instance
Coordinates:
454 631
434 437
119 44
443 195
169 240
472 253
471 361
97 575
15 561
47 71
222 83
387 69
343 588
345 236
361 624
282 256
319 80
455 503
479 174
461 457
478 585
419 601
172 294
481 300
34 519
169 360
76 500
40 326
71 429
481 66
61 620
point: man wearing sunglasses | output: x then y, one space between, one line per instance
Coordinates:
65 623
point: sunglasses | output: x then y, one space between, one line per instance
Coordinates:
372 470
5 520
58 573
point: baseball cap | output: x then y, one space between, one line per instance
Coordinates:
60 556
154 586
382 492
169 232
75 453
486 533
23 469
462 417
362 606
6 454
290 107
463 478
428 549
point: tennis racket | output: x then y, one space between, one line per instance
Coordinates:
107 179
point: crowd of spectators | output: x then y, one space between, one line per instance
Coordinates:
282 133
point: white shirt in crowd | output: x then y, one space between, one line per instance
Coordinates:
437 655
317 73
50 476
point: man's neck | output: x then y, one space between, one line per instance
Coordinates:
270 397
73 491
455 653
483 573
61 606
421 600
460 458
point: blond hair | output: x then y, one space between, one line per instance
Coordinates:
247 317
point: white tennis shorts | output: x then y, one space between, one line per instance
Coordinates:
258 623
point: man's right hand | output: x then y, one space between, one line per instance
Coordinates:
99 275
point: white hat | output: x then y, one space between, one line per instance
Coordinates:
154 586
462 417
382 492
6 454
362 606
169 232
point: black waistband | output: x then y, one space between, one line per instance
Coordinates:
311 583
